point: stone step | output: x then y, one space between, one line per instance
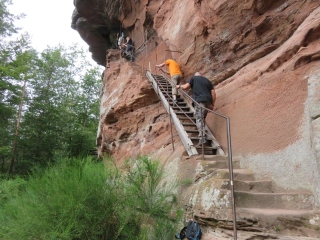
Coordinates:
238 174
222 164
215 158
297 201
263 186
279 220
249 186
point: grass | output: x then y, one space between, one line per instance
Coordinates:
277 228
85 199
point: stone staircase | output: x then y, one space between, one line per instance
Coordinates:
259 207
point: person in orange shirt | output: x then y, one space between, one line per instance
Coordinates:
175 73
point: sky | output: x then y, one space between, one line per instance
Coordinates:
49 23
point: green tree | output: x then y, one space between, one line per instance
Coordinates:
62 109
16 64
86 114
7 27
23 69
48 101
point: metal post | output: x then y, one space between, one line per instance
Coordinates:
231 179
202 130
170 108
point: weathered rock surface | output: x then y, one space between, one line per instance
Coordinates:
263 57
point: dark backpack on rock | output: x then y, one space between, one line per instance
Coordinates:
192 231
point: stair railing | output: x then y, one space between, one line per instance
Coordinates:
203 129
230 165
165 90
204 133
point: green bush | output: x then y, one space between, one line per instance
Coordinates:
153 197
85 199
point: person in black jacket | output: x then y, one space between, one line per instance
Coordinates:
204 94
129 47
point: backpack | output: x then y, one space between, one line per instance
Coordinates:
192 231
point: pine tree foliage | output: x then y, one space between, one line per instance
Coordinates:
7 27
86 199
48 101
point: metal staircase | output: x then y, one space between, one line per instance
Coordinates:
182 115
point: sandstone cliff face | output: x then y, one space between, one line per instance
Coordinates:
262 55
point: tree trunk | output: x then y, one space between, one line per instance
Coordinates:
14 147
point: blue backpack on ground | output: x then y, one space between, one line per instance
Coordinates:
192 231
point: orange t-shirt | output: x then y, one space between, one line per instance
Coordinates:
174 67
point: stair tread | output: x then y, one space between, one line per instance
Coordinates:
206 147
240 170
219 160
197 138
254 181
273 211
274 193
183 112
185 118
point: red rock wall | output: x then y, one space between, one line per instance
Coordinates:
262 56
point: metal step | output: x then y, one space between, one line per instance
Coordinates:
186 118
188 124
206 147
184 113
181 108
192 131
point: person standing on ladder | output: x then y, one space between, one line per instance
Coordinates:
204 94
121 41
129 47
175 73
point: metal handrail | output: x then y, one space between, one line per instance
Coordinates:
164 90
227 119
209 110
203 129
204 133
